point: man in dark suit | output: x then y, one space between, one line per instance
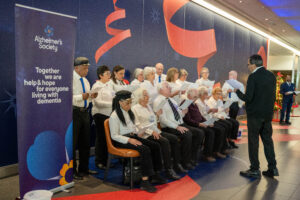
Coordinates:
259 99
287 90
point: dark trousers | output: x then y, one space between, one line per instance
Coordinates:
100 143
81 139
150 154
234 110
286 107
214 140
227 128
263 128
175 147
235 128
165 150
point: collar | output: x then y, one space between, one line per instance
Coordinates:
76 75
257 69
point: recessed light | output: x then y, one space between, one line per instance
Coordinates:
266 19
241 1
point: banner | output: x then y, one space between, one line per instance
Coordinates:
44 43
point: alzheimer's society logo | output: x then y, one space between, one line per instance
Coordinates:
47 43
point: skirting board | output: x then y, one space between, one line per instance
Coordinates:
63 187
9 170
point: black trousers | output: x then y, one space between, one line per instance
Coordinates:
165 150
81 139
232 127
226 129
150 154
214 140
100 143
190 142
263 128
234 110
175 147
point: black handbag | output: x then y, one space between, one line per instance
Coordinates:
136 172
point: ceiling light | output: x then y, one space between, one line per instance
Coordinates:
266 19
241 1
241 22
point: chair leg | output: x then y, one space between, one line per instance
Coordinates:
107 166
131 169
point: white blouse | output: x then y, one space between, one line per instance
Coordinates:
118 130
174 88
144 117
151 89
121 86
103 103
135 82
206 83
212 103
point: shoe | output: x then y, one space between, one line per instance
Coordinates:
226 151
145 185
89 172
171 174
188 166
210 159
233 145
158 179
271 173
219 155
77 176
281 123
179 169
288 123
101 166
194 163
250 173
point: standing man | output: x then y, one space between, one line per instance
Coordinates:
287 90
229 94
159 76
81 117
260 99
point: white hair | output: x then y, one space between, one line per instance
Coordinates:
137 95
202 90
147 71
137 72
159 86
191 91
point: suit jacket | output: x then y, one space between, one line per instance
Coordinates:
260 94
284 87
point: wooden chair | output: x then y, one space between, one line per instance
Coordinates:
118 152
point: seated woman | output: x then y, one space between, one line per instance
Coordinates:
215 102
138 77
102 107
144 116
124 135
214 137
172 76
116 83
149 83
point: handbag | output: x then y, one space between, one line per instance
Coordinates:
136 172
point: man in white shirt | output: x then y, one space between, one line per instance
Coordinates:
230 95
81 117
171 121
159 76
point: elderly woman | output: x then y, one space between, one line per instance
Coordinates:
149 83
182 77
207 113
144 116
124 134
102 107
138 77
204 81
215 102
117 83
214 137
172 76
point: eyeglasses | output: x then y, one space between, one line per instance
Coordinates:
127 101
107 73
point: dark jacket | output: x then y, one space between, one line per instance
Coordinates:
284 87
260 94
193 117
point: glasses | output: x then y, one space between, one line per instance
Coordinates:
127 101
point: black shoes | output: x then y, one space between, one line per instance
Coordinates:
145 185
288 123
158 179
271 173
171 174
232 145
179 169
101 166
89 172
285 123
188 166
250 173
77 176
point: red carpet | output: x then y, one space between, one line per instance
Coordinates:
183 189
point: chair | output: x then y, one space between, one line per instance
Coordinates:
118 152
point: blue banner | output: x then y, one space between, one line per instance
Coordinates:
44 43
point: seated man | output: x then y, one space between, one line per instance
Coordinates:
214 137
215 102
171 121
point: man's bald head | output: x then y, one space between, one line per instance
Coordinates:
233 75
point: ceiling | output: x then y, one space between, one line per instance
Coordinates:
279 18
